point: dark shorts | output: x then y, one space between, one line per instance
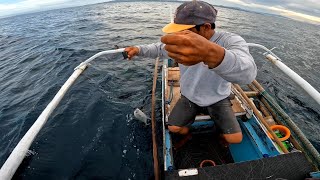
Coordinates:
185 111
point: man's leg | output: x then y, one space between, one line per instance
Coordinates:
180 130
183 114
224 118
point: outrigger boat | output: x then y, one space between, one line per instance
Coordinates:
273 147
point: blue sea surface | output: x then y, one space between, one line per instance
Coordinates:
92 134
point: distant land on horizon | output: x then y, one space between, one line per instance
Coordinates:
229 7
113 1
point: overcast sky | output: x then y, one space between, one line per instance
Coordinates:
305 10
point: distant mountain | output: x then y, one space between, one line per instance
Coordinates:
228 7
146 0
250 11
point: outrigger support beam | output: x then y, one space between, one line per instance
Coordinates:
19 152
289 72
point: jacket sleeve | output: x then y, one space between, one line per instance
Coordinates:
153 50
238 65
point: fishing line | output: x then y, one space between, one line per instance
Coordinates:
94 65
97 85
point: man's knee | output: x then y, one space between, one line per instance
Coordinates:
174 129
177 129
234 138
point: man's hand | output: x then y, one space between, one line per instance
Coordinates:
189 48
131 51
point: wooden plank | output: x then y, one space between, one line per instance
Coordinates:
176 97
173 77
236 107
252 93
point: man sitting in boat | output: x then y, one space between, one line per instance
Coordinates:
209 62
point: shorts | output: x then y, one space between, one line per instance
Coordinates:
185 111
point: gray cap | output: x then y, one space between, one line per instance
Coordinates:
190 14
195 13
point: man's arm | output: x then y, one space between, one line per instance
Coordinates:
238 65
151 50
189 48
233 62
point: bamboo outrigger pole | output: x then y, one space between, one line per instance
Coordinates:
19 152
153 123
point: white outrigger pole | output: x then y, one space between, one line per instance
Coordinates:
14 160
289 72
